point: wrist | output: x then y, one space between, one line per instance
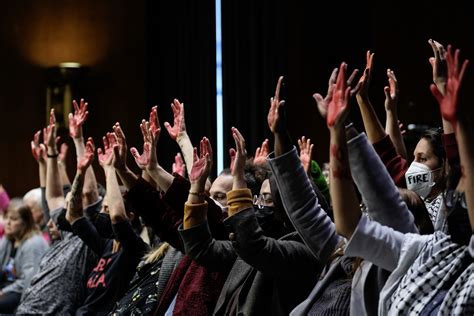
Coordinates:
52 154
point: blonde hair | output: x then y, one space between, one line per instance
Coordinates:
156 253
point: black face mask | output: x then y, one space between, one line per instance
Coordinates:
269 222
459 226
103 224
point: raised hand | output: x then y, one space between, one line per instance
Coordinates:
49 134
364 81
232 154
338 107
240 157
306 149
121 157
37 149
261 154
107 156
88 157
178 166
77 119
324 102
154 128
448 103
202 164
142 160
438 63
391 92
179 125
276 114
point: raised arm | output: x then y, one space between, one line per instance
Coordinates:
54 191
448 103
179 166
372 125
344 199
74 209
200 245
179 134
128 178
39 153
76 121
392 127
62 164
148 160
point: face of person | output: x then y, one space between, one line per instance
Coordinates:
266 193
220 187
53 230
36 211
14 225
424 154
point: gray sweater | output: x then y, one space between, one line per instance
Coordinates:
27 259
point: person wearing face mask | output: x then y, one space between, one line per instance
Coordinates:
426 174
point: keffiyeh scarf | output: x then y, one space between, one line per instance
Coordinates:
439 261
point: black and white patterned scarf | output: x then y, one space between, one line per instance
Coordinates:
439 260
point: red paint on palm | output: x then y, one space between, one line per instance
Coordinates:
338 104
88 156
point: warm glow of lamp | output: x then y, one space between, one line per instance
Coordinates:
48 33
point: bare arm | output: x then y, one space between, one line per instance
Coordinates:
39 153
373 127
62 165
148 160
54 191
76 120
391 125
179 134
345 204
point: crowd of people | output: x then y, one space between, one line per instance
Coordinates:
273 234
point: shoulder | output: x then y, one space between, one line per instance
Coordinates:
35 241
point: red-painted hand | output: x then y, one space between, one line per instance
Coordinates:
261 153
178 166
449 102
107 156
201 164
179 122
338 107
88 156
37 149
77 119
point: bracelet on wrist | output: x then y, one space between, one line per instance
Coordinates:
53 155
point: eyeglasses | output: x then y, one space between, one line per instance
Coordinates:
452 197
262 200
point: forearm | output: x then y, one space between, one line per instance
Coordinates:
345 204
302 205
128 178
216 255
162 177
186 149
90 191
63 174
466 153
195 209
80 146
373 127
393 130
74 209
377 188
54 191
146 176
114 197
282 143
42 174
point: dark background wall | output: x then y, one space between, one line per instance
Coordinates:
142 53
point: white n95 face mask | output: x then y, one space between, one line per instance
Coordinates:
419 178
